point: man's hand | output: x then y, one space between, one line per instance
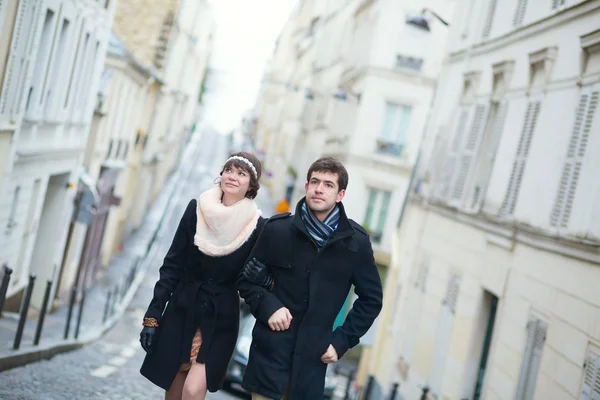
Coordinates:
330 356
280 320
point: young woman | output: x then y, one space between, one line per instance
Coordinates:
189 345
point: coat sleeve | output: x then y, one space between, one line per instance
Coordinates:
261 301
367 306
173 265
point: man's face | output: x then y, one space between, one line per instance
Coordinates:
322 193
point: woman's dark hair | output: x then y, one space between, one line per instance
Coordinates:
330 164
254 185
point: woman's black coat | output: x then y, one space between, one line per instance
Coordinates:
313 284
201 293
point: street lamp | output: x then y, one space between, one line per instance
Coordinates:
421 21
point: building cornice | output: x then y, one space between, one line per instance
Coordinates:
508 233
527 31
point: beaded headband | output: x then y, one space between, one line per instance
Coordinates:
246 161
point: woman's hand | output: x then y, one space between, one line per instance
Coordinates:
147 337
257 273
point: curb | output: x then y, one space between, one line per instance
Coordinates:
45 351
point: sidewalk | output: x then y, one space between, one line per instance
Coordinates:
138 248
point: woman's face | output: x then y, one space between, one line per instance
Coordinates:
235 182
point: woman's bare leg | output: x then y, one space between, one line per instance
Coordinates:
175 392
195 386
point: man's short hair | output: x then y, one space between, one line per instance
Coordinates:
330 164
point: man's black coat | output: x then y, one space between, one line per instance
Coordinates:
313 284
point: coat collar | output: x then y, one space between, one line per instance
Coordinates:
344 229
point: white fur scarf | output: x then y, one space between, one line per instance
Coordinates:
221 230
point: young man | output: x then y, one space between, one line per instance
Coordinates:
309 260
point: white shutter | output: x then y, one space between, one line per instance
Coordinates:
443 185
468 153
488 154
3 4
590 387
516 176
520 12
452 292
532 356
536 357
444 333
563 204
19 61
490 18
422 275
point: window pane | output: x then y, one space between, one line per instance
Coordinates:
370 206
385 202
388 123
403 125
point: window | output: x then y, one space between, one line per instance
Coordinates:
582 129
406 62
12 217
520 13
490 18
532 357
20 54
110 146
376 213
445 178
557 4
79 57
444 333
36 91
467 154
82 99
518 169
126 150
55 81
395 129
590 387
487 153
414 308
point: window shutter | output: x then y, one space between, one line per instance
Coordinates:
516 176
532 356
539 339
443 185
452 292
490 18
422 276
19 61
2 12
468 153
563 204
590 387
520 13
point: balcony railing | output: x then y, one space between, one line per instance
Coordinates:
385 146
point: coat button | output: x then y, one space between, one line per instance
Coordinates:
260 295
209 281
306 299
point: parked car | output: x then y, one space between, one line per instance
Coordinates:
239 360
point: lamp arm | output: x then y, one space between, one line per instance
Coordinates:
435 15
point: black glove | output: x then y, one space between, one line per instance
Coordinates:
146 337
257 273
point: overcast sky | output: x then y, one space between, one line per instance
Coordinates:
245 34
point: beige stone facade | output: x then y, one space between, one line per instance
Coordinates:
145 27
